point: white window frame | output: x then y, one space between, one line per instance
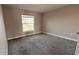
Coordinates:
28 16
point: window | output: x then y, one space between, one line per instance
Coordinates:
27 23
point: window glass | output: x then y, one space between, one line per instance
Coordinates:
27 23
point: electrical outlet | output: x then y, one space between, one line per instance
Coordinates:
77 32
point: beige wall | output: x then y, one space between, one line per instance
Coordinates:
63 22
13 21
3 40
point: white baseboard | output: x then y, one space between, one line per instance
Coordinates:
23 35
60 36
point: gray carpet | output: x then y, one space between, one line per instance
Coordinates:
41 44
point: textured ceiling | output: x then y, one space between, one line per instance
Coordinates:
38 7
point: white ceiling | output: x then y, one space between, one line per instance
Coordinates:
38 7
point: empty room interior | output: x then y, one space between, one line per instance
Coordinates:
39 29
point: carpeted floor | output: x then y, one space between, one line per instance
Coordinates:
41 44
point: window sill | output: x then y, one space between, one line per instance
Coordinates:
28 32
